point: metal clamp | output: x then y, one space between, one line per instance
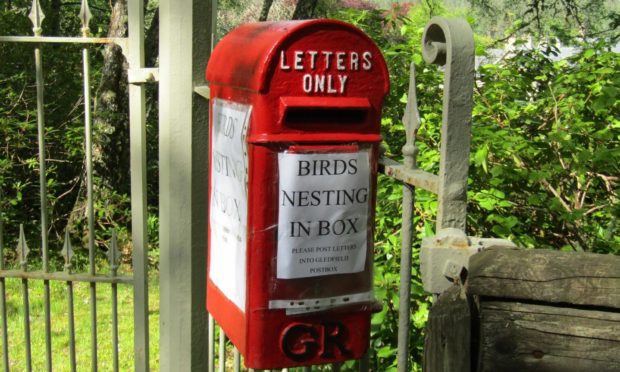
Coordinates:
444 258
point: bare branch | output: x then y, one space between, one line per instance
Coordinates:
264 12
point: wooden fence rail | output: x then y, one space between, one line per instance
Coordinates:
529 310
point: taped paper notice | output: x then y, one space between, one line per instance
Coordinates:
323 213
228 212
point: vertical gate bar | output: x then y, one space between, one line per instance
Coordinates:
67 252
90 210
22 252
89 160
36 16
114 328
222 352
48 325
364 363
113 254
236 360
411 119
27 344
405 278
42 165
71 319
43 200
137 135
5 336
211 346
214 36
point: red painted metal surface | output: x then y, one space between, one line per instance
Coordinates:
314 86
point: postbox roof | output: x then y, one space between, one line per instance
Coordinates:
245 57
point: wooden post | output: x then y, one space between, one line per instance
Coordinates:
543 310
447 344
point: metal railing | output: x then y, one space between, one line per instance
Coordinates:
133 45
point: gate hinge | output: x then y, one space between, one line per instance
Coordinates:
143 75
445 256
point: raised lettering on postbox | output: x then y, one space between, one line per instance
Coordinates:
304 341
325 71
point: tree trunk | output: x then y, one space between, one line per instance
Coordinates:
111 124
304 9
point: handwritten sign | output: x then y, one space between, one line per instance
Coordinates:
228 212
323 213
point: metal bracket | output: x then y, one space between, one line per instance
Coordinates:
142 75
445 257
415 177
203 90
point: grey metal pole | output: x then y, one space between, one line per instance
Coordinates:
405 279
90 208
211 359
67 252
411 120
221 362
22 251
450 42
43 198
236 360
364 363
37 16
113 255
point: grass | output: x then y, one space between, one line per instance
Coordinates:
82 317
82 314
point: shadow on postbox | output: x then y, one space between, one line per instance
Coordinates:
294 136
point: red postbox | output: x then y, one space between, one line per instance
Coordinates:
294 131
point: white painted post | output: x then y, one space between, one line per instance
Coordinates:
185 43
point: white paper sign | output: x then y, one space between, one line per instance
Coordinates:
229 199
323 213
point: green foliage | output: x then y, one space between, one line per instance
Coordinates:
64 136
545 150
